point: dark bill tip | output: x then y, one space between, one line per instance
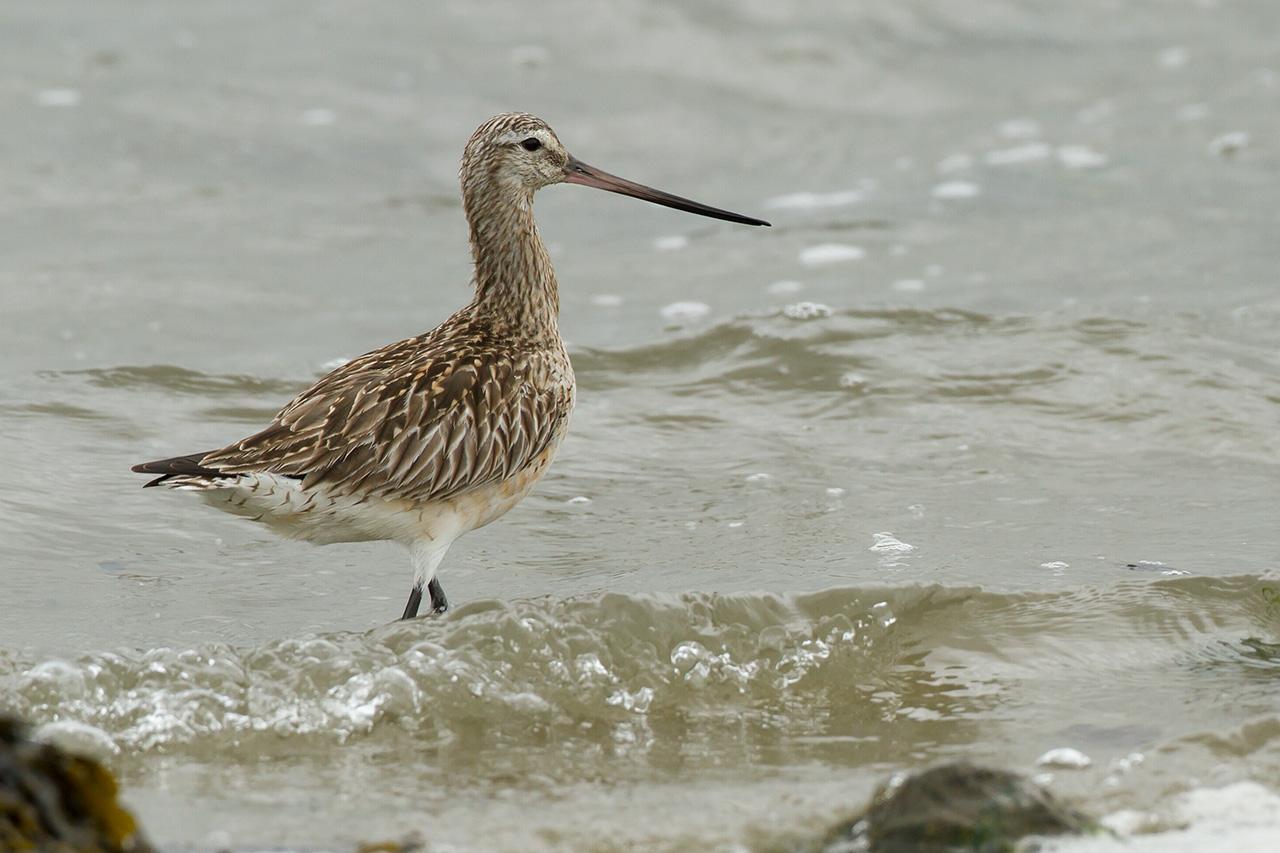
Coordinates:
577 172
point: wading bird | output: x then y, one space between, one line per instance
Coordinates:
428 438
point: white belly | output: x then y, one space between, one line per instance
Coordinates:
319 515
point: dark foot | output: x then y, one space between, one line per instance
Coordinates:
439 603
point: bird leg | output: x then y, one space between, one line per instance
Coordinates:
439 602
415 598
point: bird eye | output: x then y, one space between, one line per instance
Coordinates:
531 144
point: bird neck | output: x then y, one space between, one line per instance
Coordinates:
515 282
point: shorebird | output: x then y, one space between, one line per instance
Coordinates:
428 438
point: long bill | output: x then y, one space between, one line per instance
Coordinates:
577 172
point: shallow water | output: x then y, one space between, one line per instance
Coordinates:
972 455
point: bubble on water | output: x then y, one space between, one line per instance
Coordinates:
684 312
607 300
736 524
319 117
916 510
1229 144
785 288
956 190
759 477
806 311
686 654
1080 157
1032 152
671 243
579 500
1065 757
637 701
1056 564
1173 57
908 285
954 163
830 253
811 201
883 614
1019 128
836 492
58 97
887 543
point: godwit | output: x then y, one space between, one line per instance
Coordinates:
428 438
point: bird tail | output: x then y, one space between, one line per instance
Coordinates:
177 466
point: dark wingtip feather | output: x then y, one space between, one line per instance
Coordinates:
177 466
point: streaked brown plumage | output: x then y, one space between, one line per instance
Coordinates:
430 437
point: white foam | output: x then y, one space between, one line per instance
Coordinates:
1065 756
684 312
806 311
334 364
59 98
1173 57
887 543
1080 157
813 201
77 737
956 190
1242 818
1032 152
830 253
1229 144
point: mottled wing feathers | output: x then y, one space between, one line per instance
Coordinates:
425 418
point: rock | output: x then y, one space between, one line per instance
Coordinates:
409 844
53 801
955 807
